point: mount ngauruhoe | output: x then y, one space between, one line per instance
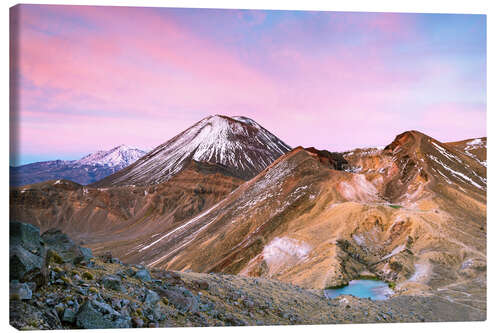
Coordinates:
228 196
237 144
86 170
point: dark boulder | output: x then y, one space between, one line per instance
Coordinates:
151 298
69 252
91 316
143 275
85 256
26 254
181 300
25 266
113 282
26 236
69 316
202 285
20 291
23 315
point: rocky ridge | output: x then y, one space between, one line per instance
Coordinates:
82 291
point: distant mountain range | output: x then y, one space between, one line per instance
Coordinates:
86 170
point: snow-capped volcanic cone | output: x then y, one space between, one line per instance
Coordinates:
238 144
88 169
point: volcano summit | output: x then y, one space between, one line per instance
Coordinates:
235 143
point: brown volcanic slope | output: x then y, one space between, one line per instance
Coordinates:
126 212
413 213
474 148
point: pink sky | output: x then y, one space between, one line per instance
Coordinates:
91 78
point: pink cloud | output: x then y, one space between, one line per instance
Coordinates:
131 75
92 66
453 121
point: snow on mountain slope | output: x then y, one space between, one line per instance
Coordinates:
237 143
474 148
120 156
88 169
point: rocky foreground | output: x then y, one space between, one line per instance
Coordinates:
56 284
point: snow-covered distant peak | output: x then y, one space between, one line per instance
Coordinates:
117 157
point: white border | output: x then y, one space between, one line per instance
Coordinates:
420 6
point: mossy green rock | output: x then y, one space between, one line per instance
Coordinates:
53 257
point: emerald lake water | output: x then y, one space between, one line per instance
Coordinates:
376 290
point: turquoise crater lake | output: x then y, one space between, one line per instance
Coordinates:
376 290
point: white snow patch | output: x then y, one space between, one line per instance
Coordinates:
181 227
446 153
333 205
444 176
475 142
353 169
457 173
